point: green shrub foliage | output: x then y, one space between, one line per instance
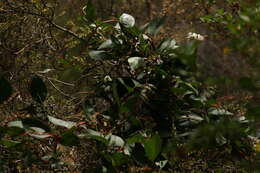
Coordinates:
146 91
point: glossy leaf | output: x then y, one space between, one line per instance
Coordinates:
115 140
107 44
62 123
115 92
192 117
69 139
92 134
247 83
9 143
253 112
40 136
33 124
98 55
154 26
167 44
6 89
138 154
18 124
135 62
152 147
89 11
14 131
136 139
70 75
38 89
219 112
117 159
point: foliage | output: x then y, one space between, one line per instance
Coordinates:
240 23
145 109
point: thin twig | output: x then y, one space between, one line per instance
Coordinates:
52 23
60 90
50 78
65 83
65 30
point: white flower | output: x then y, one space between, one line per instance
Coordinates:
195 36
127 20
107 78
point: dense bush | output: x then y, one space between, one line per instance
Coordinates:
142 104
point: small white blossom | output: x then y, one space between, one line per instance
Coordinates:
195 36
127 20
107 78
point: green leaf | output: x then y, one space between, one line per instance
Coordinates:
116 41
244 17
70 75
137 153
135 62
167 44
45 71
253 112
115 93
59 122
247 83
131 32
98 55
38 89
6 89
40 136
125 84
136 139
89 11
188 87
217 112
117 159
14 131
107 44
92 134
29 124
34 128
101 139
35 125
115 140
189 48
69 139
18 124
152 147
37 130
192 117
154 26
9 143
220 139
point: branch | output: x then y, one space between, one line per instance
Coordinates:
65 30
54 86
51 22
